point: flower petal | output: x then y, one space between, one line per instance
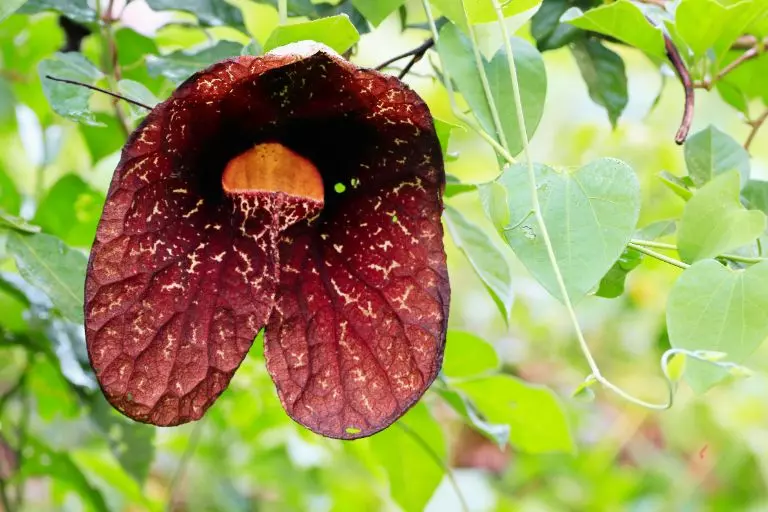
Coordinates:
358 330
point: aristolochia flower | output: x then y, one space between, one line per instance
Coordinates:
293 191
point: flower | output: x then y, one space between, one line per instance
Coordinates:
293 191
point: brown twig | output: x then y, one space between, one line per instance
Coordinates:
746 42
99 89
685 78
708 83
416 55
755 124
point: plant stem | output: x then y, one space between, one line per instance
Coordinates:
484 80
282 9
181 470
99 89
536 207
419 50
685 78
654 245
671 247
452 96
756 125
438 460
109 62
658 256
747 55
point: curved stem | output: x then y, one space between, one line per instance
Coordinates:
672 247
657 255
484 80
548 241
685 78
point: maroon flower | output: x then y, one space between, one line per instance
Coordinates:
293 191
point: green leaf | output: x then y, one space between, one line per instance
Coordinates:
41 460
467 355
711 152
180 65
714 220
676 367
612 283
70 210
493 197
47 263
9 7
537 422
603 71
132 443
70 101
377 11
336 32
103 140
456 54
486 259
407 451
746 80
17 223
733 96
209 12
590 214
481 11
455 187
676 185
77 10
496 432
137 92
53 396
658 229
756 193
622 20
583 391
133 46
708 25
547 29
444 129
700 23
712 307
10 199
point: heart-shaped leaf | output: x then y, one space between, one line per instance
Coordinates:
715 221
590 213
712 307
711 152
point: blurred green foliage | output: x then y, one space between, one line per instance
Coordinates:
501 429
